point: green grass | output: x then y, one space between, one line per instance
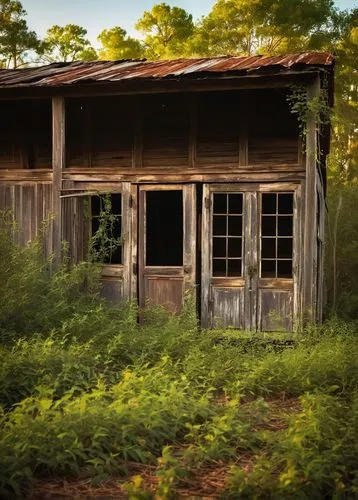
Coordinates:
75 408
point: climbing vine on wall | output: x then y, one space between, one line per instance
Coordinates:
303 107
103 243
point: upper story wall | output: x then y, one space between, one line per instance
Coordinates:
220 128
26 134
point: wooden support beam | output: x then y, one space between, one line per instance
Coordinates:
137 155
310 218
193 130
243 129
58 164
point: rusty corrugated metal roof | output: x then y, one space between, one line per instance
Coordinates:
58 74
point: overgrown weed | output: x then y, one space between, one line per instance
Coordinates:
85 389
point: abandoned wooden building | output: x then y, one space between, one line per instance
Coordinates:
212 183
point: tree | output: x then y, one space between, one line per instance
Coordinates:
67 43
15 37
117 45
344 152
265 26
166 30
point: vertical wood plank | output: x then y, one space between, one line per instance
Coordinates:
251 259
134 239
2 197
88 133
18 214
141 246
137 156
243 129
205 258
58 164
296 259
193 129
310 226
127 239
33 212
189 260
48 216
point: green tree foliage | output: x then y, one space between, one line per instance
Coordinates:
342 249
246 27
166 29
344 156
15 37
67 43
342 241
116 44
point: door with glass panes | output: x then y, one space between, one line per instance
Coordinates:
250 236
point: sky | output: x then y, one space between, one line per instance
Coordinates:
96 15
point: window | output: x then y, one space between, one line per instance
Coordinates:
106 228
276 235
227 237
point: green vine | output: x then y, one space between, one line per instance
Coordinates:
304 108
103 244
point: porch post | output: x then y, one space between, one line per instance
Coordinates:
310 218
58 163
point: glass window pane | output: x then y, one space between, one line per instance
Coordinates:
235 247
268 248
235 203
116 203
285 203
219 267
268 226
284 248
234 225
219 247
220 203
234 267
269 203
219 225
285 225
268 268
95 205
284 269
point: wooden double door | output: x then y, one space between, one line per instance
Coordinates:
237 245
250 269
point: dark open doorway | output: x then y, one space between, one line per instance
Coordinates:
164 228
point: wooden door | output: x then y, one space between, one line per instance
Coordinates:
166 244
277 281
224 258
250 241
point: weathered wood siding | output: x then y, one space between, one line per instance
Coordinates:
183 130
25 134
53 156
272 131
30 204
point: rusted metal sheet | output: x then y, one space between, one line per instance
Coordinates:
58 74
